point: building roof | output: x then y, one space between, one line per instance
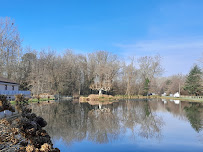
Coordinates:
4 80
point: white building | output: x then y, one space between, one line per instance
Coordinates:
11 88
177 95
164 94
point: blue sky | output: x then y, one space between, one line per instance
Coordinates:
171 28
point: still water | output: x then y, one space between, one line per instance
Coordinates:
125 126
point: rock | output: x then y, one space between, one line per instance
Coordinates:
33 115
26 110
41 133
27 126
37 150
11 108
9 138
22 149
40 121
14 140
15 131
45 147
31 131
24 143
38 141
30 148
55 150
30 116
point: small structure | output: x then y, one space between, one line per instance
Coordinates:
10 88
177 95
8 85
164 94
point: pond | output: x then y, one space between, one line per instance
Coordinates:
125 126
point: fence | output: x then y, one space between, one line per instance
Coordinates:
193 97
11 94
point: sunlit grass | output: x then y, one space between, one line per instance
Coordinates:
35 100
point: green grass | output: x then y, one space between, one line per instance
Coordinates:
35 100
131 97
156 96
41 99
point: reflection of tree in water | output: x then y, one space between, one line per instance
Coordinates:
76 122
200 137
67 121
103 126
139 118
152 124
194 114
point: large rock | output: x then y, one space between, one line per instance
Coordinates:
31 126
38 141
40 121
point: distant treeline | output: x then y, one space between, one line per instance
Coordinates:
45 71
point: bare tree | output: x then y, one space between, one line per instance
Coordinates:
129 77
150 67
176 82
25 68
106 69
10 47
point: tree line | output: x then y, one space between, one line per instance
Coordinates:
69 73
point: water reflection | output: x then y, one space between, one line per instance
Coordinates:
139 117
75 122
177 101
194 113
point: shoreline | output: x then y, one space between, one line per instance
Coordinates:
24 132
106 98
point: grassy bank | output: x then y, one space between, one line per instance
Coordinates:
94 97
35 100
105 98
182 99
117 97
133 97
155 96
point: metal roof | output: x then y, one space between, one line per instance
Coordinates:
5 80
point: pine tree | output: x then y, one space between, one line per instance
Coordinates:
146 86
193 82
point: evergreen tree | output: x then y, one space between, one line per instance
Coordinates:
193 82
146 86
